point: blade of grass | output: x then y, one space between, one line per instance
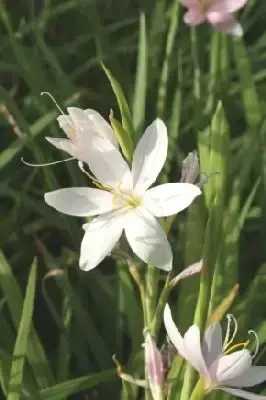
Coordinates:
20 349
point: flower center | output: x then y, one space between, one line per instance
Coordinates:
123 198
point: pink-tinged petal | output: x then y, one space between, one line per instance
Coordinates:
101 235
192 347
194 17
232 365
212 345
243 394
147 239
154 367
80 201
225 23
149 156
190 3
172 331
188 271
253 376
227 6
170 198
108 165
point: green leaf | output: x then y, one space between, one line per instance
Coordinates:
78 385
127 121
139 102
20 349
35 352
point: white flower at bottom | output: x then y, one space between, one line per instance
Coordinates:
218 364
123 201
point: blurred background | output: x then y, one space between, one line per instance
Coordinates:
166 70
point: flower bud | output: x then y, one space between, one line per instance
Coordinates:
154 367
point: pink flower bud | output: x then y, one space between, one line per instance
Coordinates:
154 367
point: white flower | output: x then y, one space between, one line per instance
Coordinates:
218 364
81 128
124 202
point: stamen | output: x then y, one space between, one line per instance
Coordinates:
46 164
81 167
236 346
257 342
227 341
54 101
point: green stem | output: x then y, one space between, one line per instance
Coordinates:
198 391
152 279
196 60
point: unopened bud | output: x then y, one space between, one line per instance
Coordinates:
154 367
190 168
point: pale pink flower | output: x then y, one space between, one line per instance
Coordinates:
217 12
220 363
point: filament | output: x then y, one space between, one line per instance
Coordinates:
257 342
46 164
227 341
54 101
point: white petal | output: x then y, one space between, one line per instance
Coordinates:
80 201
68 126
172 331
170 198
147 239
64 144
108 165
253 376
79 118
99 124
212 343
192 347
100 237
149 156
233 365
243 394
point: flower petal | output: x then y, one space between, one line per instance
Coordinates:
227 6
224 23
147 239
212 343
108 165
253 376
80 201
149 156
172 331
100 125
101 235
232 365
65 145
66 123
243 394
170 198
194 16
192 348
